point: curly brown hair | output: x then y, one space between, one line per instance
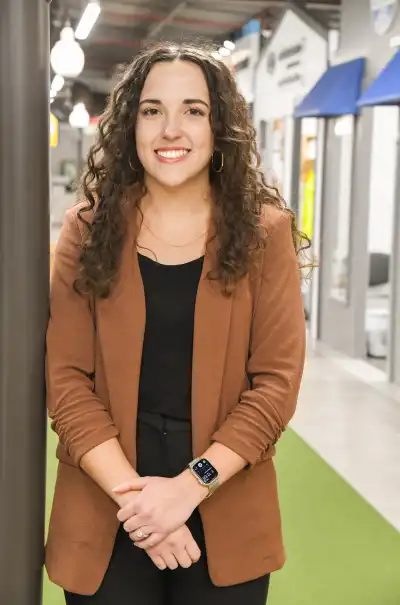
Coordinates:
114 171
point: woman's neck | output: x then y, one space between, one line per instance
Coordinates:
191 199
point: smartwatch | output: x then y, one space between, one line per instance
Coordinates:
205 473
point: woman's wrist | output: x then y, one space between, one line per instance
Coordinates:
123 499
192 488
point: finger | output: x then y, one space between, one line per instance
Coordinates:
153 540
158 562
183 558
131 485
141 534
193 551
126 512
133 523
170 560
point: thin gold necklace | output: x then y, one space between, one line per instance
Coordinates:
169 243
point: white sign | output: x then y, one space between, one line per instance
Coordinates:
245 59
291 64
383 14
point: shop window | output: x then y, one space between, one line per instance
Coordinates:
308 156
250 107
382 177
344 130
263 135
278 153
265 149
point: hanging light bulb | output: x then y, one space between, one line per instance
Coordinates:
229 45
224 52
79 117
57 83
67 57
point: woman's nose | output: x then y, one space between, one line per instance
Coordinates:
172 128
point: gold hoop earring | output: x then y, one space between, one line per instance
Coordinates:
131 167
219 167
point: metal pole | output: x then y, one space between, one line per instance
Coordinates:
24 278
80 155
296 169
394 325
317 235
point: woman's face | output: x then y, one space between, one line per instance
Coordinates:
174 139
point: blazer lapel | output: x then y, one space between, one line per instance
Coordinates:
211 333
121 320
121 325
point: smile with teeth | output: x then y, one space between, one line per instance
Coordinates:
172 153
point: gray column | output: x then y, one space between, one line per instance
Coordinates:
80 160
295 178
394 326
24 278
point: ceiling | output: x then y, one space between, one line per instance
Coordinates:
124 26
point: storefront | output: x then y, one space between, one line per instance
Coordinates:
288 68
291 64
359 282
383 302
330 106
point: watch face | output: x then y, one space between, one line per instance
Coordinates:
205 471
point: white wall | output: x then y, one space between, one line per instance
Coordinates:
290 65
247 46
359 39
281 82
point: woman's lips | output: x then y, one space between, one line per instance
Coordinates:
171 155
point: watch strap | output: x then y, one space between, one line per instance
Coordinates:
212 487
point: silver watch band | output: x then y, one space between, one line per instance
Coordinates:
212 487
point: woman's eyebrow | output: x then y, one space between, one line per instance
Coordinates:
185 102
152 101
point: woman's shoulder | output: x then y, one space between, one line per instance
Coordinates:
80 216
81 209
272 216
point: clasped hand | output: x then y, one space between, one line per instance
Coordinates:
162 506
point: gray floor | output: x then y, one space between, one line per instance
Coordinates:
350 416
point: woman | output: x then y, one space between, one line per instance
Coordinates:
175 349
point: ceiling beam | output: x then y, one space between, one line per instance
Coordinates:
127 19
261 4
323 6
246 7
156 29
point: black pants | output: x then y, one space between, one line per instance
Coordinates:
164 450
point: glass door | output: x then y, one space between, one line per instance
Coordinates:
378 320
306 205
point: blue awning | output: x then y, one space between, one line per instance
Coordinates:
385 90
336 93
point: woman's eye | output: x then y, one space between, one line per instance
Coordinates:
150 111
194 111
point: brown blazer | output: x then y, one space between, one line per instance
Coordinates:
248 361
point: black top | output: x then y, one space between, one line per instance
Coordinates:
166 372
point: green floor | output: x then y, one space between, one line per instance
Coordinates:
340 551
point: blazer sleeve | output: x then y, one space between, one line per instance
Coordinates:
78 416
276 356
